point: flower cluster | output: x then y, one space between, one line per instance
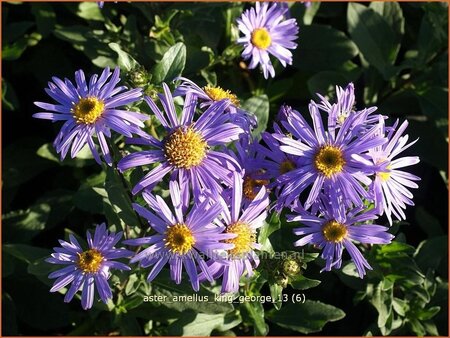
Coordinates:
346 173
336 175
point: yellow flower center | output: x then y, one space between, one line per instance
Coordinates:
341 119
251 187
89 261
333 231
385 175
286 166
261 38
217 94
329 160
246 236
88 110
185 148
179 239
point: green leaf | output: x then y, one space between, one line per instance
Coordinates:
13 51
400 306
323 48
259 106
310 12
90 11
72 33
349 276
373 36
254 313
301 282
276 292
90 199
393 14
394 249
171 65
209 76
307 317
132 284
433 35
308 256
426 314
22 225
430 328
417 327
382 301
84 156
164 286
325 82
431 253
125 60
41 269
266 230
26 253
119 198
45 17
202 324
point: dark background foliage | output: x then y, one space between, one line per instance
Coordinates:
397 56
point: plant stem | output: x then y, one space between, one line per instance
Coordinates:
125 187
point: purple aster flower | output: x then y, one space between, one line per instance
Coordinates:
283 113
88 109
188 149
326 159
276 163
100 4
335 229
339 111
88 269
390 185
253 164
267 32
179 239
243 222
210 94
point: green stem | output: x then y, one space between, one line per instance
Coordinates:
126 188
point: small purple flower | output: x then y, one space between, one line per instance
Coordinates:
283 113
88 269
326 159
276 163
88 109
181 238
335 229
267 32
242 222
210 94
339 111
390 185
188 149
253 165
